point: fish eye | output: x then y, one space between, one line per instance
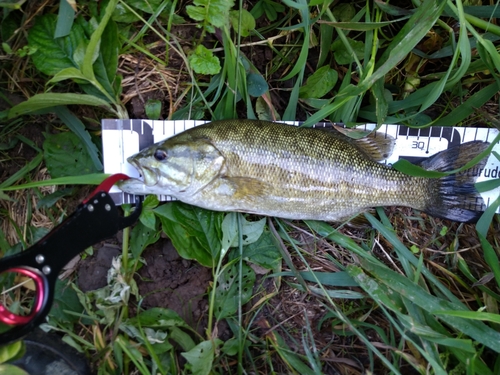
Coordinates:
160 155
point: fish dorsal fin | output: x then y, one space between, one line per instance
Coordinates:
376 146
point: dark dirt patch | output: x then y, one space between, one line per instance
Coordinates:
172 282
93 271
166 280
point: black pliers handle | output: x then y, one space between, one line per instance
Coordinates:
95 219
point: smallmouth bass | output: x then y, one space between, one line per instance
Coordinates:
285 171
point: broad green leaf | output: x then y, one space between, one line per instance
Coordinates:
341 54
256 84
320 83
92 49
182 338
203 61
68 73
11 351
213 13
194 232
49 100
53 54
247 21
65 301
140 237
78 128
132 353
149 6
251 231
65 155
227 292
122 14
201 357
158 317
269 7
344 12
8 369
48 201
263 252
148 217
109 50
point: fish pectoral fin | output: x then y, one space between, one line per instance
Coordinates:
247 188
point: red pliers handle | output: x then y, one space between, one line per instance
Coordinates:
95 219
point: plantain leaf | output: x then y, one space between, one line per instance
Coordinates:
78 128
227 297
263 252
201 357
65 155
49 100
54 54
194 232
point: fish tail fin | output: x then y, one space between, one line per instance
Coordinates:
454 196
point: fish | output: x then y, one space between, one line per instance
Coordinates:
274 169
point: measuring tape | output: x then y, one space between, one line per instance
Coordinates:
124 138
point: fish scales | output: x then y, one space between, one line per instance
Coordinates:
279 170
307 173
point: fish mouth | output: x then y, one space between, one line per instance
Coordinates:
149 176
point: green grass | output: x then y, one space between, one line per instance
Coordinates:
407 293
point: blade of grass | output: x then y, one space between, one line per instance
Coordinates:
477 100
93 47
300 65
32 164
482 227
88 179
403 286
474 315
